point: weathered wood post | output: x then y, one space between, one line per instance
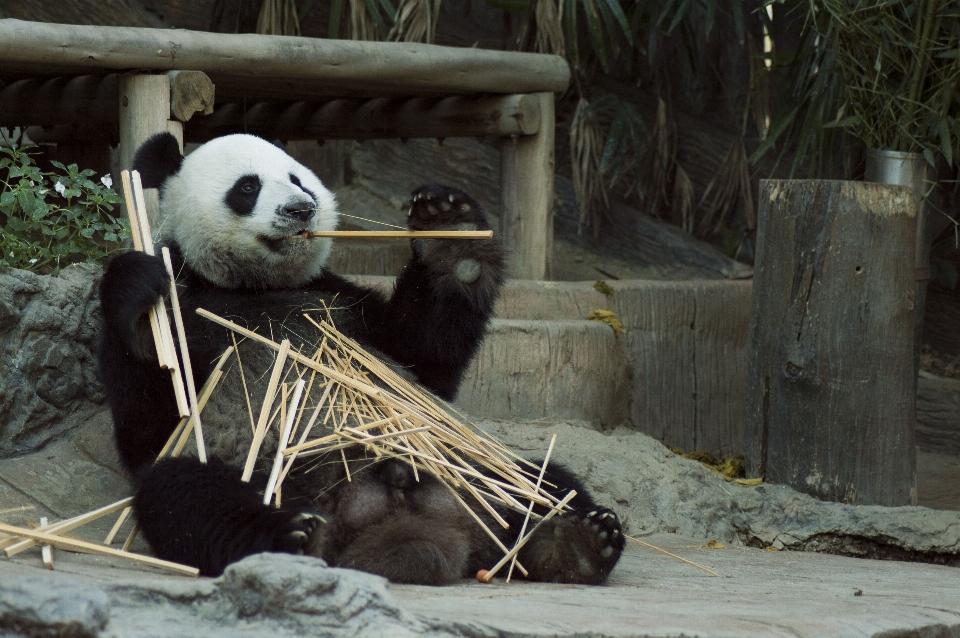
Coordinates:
830 393
154 103
526 220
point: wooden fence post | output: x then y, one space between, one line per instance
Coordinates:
526 204
830 393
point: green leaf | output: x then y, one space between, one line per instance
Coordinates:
621 18
336 10
736 6
7 198
946 144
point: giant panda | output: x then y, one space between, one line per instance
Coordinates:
233 211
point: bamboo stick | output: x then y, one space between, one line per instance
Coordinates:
663 551
265 410
486 528
70 524
526 519
75 545
282 442
523 541
46 551
185 356
163 322
137 239
399 234
329 372
116 526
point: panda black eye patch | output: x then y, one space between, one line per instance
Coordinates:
242 196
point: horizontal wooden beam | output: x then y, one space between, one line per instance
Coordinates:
381 118
455 116
250 62
93 99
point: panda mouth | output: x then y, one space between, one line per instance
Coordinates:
281 244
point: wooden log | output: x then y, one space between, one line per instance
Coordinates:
144 111
251 64
82 99
830 393
92 99
526 214
380 118
190 92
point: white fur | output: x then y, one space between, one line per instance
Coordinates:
227 248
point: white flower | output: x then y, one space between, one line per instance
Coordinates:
107 180
33 261
60 188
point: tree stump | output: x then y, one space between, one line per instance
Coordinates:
830 392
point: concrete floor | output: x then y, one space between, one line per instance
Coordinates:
758 593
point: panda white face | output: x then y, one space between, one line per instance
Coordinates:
236 208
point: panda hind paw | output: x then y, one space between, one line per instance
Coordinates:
296 531
607 534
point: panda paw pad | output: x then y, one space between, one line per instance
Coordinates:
607 534
435 207
296 532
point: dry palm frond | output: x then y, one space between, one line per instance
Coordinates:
665 182
543 32
728 187
416 21
362 26
587 144
278 17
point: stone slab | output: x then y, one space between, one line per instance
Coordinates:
757 593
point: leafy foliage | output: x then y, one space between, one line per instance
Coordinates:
901 63
49 220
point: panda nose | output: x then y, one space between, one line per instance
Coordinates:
303 211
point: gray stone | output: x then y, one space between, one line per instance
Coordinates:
266 595
655 491
40 605
48 335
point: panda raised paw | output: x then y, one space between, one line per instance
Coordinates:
131 286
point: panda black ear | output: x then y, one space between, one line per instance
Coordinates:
157 159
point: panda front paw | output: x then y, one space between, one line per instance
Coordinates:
435 207
131 286
295 533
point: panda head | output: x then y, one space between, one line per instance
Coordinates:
235 207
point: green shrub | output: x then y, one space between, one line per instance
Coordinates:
49 220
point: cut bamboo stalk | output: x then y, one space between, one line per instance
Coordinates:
526 519
399 234
243 380
282 442
324 370
71 524
137 239
116 526
523 541
131 537
46 551
269 397
75 545
485 528
185 356
21 508
663 551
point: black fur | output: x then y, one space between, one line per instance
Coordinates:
383 520
157 159
242 196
